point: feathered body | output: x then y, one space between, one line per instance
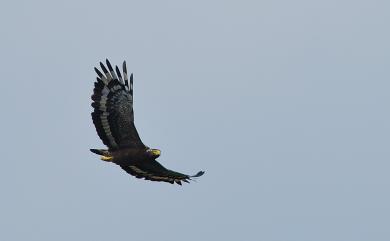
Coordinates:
113 117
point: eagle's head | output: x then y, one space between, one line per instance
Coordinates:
154 153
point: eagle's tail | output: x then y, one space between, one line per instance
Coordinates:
100 152
105 154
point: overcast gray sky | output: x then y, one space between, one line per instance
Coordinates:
284 104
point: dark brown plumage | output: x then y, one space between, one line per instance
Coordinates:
113 117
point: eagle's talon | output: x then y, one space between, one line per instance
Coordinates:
106 158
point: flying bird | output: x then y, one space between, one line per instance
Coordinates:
113 117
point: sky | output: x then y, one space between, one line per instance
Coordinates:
284 104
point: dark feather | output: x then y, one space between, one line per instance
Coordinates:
124 67
100 152
131 84
100 130
154 171
98 72
200 173
111 69
125 75
113 114
118 73
103 68
109 65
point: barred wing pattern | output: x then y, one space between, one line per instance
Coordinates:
154 171
113 114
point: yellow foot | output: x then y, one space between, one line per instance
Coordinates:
106 158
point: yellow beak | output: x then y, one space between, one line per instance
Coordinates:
156 152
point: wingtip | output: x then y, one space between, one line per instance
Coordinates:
98 72
109 65
118 72
103 68
200 173
124 66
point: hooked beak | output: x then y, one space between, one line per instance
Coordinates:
155 152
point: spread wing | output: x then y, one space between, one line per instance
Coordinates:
154 171
113 114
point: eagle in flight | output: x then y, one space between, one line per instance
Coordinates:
113 117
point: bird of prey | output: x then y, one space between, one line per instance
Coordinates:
113 117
